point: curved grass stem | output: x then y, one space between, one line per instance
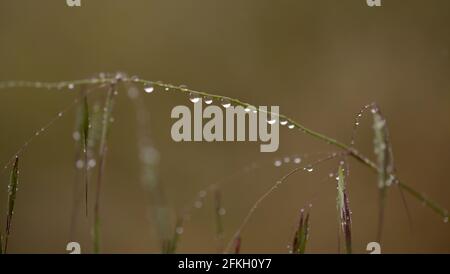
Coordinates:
352 152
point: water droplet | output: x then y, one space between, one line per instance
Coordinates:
277 163
222 211
287 159
198 204
148 88
194 98
208 100
297 160
291 126
135 78
71 86
202 194
179 230
76 135
283 122
331 175
271 122
37 133
309 168
79 164
92 163
225 103
60 114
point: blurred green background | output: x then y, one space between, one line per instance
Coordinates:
320 61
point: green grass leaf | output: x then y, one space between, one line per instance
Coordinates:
344 213
106 121
170 246
302 234
383 153
12 194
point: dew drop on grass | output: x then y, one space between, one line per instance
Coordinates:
286 159
271 122
222 211
92 163
183 88
76 135
283 122
194 98
291 126
277 163
208 100
309 168
297 160
71 86
60 114
179 230
79 164
225 103
202 194
148 88
198 204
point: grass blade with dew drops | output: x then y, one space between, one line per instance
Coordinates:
383 152
83 130
352 152
12 192
171 246
301 235
103 148
343 208
149 163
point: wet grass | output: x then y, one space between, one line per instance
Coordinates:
169 233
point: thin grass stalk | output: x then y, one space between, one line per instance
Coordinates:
103 148
12 194
343 208
383 152
149 159
219 212
237 245
301 235
354 153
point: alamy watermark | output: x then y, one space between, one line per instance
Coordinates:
77 3
213 130
373 3
73 3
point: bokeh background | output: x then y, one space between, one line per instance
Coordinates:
320 61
